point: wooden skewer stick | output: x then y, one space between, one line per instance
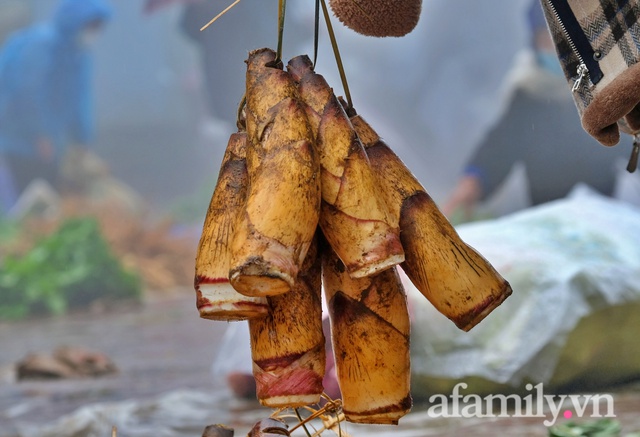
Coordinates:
227 9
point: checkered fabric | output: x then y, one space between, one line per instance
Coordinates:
612 28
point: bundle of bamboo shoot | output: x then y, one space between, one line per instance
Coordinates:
283 201
303 168
287 346
354 217
370 330
456 279
216 298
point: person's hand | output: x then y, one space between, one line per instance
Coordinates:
465 197
45 149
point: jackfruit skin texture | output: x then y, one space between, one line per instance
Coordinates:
378 17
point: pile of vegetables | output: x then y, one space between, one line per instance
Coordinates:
309 195
72 267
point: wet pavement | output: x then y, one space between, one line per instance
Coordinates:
163 348
159 347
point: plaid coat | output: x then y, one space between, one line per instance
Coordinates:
598 44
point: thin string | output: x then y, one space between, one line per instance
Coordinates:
282 5
336 53
316 34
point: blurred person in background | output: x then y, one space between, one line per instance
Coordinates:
45 93
223 48
14 14
540 128
217 79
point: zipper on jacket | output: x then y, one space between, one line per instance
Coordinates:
588 66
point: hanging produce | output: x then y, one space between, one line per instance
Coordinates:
287 345
309 197
216 298
354 216
283 201
456 279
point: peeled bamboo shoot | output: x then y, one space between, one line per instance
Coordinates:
354 217
216 298
287 346
269 428
456 279
283 203
370 334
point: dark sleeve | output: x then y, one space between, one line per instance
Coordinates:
547 136
193 18
499 151
564 154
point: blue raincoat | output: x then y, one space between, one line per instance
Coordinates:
45 77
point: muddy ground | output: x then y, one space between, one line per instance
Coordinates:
162 347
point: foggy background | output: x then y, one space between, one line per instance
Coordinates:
432 95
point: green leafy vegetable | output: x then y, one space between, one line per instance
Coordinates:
598 428
70 268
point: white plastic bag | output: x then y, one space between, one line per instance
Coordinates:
566 261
